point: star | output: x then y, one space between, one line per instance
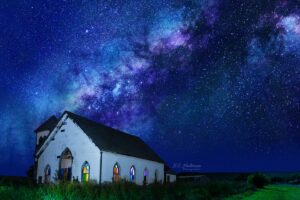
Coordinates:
200 81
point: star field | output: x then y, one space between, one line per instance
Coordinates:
208 82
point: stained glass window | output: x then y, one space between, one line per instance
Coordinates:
116 172
132 174
85 172
145 175
145 172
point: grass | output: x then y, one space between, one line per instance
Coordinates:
124 191
228 189
272 192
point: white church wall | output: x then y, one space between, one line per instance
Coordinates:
81 147
125 162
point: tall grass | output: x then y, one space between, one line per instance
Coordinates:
123 191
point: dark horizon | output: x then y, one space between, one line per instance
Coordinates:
204 173
214 84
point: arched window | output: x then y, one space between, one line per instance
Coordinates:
156 176
116 172
146 173
85 172
47 177
132 173
65 165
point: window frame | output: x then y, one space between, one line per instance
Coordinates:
116 176
85 164
132 175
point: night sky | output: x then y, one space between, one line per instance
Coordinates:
207 83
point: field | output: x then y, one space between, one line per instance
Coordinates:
123 191
213 190
219 187
273 192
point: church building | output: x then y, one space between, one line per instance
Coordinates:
74 148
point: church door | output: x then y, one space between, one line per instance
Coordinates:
65 165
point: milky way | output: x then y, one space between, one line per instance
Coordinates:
211 83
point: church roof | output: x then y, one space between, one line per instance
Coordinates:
109 139
49 124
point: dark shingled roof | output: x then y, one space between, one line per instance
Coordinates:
113 140
49 124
